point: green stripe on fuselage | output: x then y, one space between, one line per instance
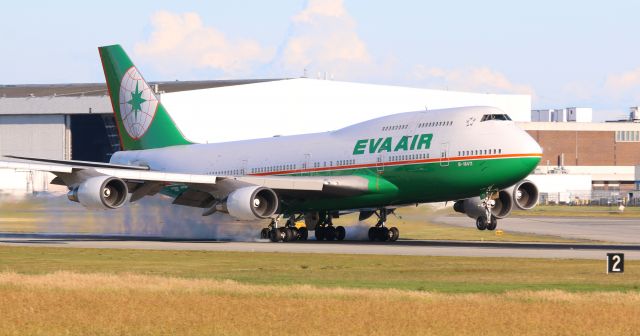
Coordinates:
399 184
425 182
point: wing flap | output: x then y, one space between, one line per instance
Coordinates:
284 182
139 175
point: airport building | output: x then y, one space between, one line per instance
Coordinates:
586 161
65 121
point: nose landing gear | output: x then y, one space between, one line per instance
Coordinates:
488 221
481 223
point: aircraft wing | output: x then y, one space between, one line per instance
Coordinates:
64 168
190 189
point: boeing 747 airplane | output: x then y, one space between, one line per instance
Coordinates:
475 156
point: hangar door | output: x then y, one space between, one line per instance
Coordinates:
93 137
41 136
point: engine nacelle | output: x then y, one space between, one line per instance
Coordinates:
100 193
251 203
525 194
472 206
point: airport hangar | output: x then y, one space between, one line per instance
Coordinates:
582 160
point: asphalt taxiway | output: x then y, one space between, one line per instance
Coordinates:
591 228
401 247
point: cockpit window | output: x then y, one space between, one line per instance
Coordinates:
494 117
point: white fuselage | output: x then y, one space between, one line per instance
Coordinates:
456 133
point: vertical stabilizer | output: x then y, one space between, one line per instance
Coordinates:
142 121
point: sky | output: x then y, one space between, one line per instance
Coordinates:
563 53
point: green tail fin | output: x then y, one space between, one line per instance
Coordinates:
143 122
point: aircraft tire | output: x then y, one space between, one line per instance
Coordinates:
303 233
330 233
394 233
373 232
295 233
274 235
319 232
494 223
264 233
340 233
481 223
286 234
383 234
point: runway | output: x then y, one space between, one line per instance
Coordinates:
401 247
598 229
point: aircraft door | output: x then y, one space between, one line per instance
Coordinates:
306 165
243 169
380 163
444 154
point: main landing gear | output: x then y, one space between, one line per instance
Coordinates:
287 233
325 230
322 225
488 221
380 232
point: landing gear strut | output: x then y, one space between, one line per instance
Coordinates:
326 231
488 221
380 232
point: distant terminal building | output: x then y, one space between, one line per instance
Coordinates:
602 156
569 114
75 121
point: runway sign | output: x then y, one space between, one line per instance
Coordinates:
615 263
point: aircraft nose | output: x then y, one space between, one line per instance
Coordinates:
531 147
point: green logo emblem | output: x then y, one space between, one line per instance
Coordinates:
136 100
137 104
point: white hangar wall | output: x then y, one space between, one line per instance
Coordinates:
305 105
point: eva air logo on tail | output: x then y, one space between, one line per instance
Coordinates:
137 104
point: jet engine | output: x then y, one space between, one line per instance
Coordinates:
250 203
100 193
524 195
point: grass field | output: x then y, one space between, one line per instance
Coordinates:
113 292
440 274
100 304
